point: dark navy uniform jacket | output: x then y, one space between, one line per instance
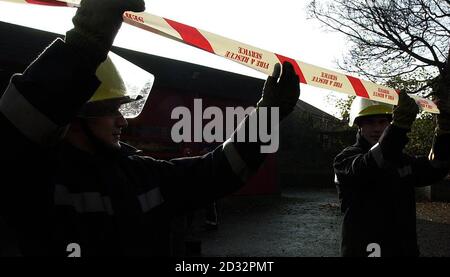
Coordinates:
376 190
53 194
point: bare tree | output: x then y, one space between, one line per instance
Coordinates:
393 39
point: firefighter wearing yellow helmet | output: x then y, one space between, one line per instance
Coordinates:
122 94
124 89
362 107
89 190
376 180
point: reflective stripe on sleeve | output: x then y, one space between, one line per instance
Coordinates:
27 119
437 163
83 202
150 199
336 180
377 155
381 162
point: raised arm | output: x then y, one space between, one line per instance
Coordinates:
191 182
38 104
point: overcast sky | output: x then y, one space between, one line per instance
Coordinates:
278 26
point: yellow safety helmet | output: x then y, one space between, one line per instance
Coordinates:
364 107
124 89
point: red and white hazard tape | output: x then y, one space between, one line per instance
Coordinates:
254 57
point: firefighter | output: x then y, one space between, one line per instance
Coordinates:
376 180
71 184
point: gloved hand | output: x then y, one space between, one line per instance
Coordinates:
283 93
406 111
96 24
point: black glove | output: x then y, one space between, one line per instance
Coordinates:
283 93
96 24
406 111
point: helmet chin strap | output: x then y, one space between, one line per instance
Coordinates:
99 147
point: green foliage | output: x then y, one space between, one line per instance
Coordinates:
389 39
343 106
421 135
